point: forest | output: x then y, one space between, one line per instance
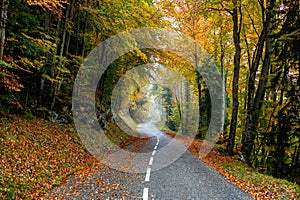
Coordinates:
255 45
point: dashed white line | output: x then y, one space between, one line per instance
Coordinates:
151 161
145 194
148 174
146 190
153 153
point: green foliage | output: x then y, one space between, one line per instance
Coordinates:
174 119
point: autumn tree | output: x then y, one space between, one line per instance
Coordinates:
256 96
237 28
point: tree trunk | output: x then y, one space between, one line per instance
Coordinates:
199 88
57 88
61 53
254 101
69 34
186 126
3 20
199 102
208 106
248 135
84 31
42 86
42 83
77 32
52 72
237 23
63 41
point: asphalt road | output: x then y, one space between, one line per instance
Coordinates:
166 172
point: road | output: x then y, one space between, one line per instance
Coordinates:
165 176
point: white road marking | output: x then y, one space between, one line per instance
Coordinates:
148 174
146 190
151 161
153 153
145 194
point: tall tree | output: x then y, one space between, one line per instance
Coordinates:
255 97
3 21
237 27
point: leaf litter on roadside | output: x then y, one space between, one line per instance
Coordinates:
259 186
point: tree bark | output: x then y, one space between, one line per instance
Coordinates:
237 23
63 41
42 83
199 89
199 101
3 21
84 31
77 32
61 53
69 34
254 100
57 88
187 109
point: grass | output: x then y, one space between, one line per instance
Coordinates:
37 154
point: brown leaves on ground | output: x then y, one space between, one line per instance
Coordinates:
97 175
83 180
37 154
34 153
257 185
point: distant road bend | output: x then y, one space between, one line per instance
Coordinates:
185 178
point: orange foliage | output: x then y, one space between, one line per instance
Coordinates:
54 6
9 81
